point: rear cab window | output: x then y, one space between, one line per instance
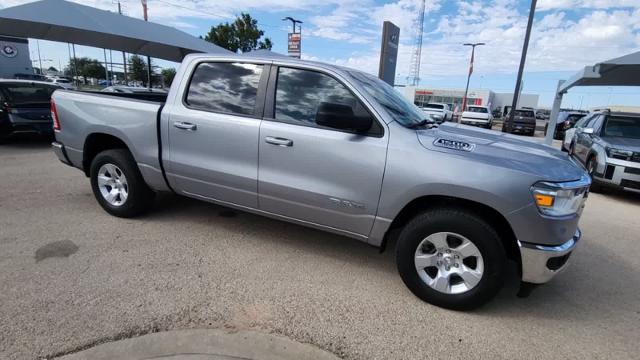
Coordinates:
434 106
477 109
524 113
26 93
225 87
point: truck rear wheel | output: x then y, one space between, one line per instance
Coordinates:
451 258
118 185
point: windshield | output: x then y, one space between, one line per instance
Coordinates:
476 109
402 110
575 117
62 81
619 126
27 93
434 106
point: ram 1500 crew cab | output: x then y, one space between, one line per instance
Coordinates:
339 150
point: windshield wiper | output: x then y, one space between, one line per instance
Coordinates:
422 123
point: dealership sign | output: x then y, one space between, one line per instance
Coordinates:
8 50
294 45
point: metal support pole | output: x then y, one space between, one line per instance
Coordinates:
149 72
106 68
553 118
124 56
75 65
466 89
523 59
39 58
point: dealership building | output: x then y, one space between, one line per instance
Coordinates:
423 96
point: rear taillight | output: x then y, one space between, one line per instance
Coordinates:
54 116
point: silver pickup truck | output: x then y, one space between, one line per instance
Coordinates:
339 150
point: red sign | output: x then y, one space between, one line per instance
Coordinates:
294 45
424 92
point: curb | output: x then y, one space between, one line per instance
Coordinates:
211 344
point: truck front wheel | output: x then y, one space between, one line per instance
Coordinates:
451 258
118 185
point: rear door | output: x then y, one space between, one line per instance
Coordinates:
213 132
315 174
584 141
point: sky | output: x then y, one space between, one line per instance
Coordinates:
567 35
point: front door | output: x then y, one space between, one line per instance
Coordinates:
314 174
213 133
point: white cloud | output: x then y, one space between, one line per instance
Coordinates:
586 4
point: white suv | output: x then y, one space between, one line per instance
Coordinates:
477 116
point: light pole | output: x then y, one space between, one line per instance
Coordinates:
466 90
293 22
523 58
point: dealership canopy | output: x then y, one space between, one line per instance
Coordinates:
64 21
622 71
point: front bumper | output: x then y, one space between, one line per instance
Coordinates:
620 173
540 263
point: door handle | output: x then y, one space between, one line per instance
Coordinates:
278 141
185 126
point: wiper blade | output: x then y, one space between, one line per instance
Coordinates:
423 123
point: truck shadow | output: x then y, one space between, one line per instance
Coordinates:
597 280
27 142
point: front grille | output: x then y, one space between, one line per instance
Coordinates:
630 184
630 170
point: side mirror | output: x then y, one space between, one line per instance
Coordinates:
339 116
587 131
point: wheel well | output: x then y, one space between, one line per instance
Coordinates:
95 144
487 213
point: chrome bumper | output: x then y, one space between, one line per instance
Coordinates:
58 149
540 263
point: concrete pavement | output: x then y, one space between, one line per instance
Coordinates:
72 277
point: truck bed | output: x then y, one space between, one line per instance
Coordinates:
85 116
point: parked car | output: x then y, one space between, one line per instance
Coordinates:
608 144
566 120
32 77
338 150
477 116
25 107
524 122
440 112
63 83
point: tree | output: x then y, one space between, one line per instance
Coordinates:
51 68
242 35
86 67
138 69
168 75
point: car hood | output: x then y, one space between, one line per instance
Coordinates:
509 151
623 143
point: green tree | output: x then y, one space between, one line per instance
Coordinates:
168 75
242 35
138 69
51 68
86 67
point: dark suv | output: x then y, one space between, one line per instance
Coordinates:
566 120
524 122
608 143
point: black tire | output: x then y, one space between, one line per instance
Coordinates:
477 231
591 168
140 196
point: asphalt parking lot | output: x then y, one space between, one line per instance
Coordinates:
72 276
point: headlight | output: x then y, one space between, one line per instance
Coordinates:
560 199
619 154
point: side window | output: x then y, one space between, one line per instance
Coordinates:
592 121
299 94
225 87
597 123
583 121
